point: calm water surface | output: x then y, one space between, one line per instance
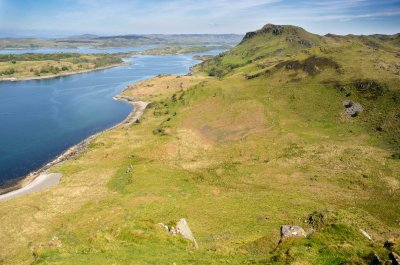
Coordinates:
39 119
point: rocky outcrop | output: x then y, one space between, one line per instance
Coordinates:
269 28
352 109
55 242
394 258
292 231
370 89
181 228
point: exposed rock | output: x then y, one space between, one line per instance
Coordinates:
370 89
269 28
394 258
312 65
375 260
129 169
365 234
55 242
183 229
292 231
352 109
389 244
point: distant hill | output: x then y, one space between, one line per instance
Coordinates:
123 40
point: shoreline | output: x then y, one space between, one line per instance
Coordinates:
17 79
137 111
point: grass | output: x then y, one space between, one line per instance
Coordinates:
42 65
237 158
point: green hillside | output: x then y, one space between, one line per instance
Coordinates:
287 128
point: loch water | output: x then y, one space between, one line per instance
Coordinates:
39 119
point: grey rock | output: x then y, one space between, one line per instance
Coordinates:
292 231
394 258
183 227
365 234
375 260
55 242
352 109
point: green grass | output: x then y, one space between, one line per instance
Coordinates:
237 158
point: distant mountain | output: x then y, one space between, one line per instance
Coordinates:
86 36
6 35
126 37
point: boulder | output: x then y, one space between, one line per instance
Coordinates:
352 109
55 242
389 244
182 228
365 234
292 231
394 258
375 260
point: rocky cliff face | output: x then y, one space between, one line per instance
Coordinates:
269 28
291 34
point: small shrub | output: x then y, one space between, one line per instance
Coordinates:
396 155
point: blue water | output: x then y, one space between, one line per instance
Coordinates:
78 50
39 119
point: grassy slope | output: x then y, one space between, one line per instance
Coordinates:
238 158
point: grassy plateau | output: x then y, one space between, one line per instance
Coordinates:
255 138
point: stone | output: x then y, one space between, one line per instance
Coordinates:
352 109
173 231
375 260
389 244
55 242
183 227
130 168
394 258
365 234
292 231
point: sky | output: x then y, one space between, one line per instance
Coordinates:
113 17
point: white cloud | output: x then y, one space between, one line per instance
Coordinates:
195 16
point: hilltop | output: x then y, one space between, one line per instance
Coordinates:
286 128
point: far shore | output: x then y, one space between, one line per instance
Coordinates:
16 79
136 113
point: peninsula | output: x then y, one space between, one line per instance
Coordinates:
27 66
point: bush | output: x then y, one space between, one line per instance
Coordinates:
8 72
396 155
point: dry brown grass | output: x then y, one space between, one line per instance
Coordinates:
151 89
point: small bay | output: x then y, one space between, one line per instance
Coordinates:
39 119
